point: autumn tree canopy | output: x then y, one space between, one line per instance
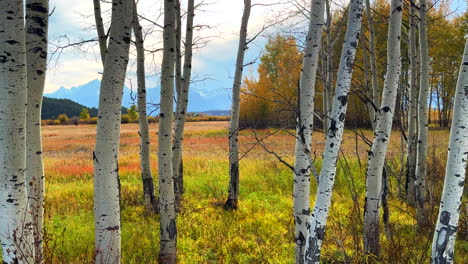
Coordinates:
271 99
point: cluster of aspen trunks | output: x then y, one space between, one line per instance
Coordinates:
23 58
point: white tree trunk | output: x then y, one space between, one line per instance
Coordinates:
151 202
443 243
178 61
328 89
233 195
413 109
106 154
422 118
182 104
102 37
37 15
16 234
373 62
178 173
168 226
384 120
305 125
318 220
369 91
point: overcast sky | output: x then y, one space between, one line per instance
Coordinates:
72 20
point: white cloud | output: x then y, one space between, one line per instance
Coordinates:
72 71
72 17
217 59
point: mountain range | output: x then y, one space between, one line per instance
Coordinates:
199 101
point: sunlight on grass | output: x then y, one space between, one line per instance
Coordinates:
261 231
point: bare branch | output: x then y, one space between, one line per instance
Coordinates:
280 159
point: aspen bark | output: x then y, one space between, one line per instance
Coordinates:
382 132
182 104
413 109
168 226
178 174
233 194
421 148
37 16
304 128
318 220
373 62
429 121
151 202
102 37
16 234
328 89
369 103
178 61
106 153
443 243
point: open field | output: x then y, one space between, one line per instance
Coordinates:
261 231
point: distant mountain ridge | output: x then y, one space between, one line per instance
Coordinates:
88 95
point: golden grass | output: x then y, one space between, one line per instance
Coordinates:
261 231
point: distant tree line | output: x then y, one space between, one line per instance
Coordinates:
270 98
68 112
52 108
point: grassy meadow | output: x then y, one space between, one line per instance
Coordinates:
261 231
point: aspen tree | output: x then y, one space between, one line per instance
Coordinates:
334 132
106 153
182 103
37 16
151 202
373 61
233 194
421 149
16 234
443 243
413 107
102 37
304 128
382 132
168 226
178 60
328 89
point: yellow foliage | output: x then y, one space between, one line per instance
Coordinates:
271 100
